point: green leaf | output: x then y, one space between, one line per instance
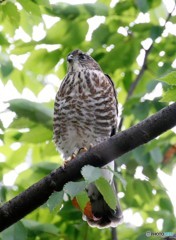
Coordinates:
38 228
144 189
3 40
66 32
101 35
142 5
14 18
30 7
170 78
34 111
74 188
128 54
156 31
55 201
83 11
45 3
169 95
6 65
169 225
22 48
6 68
122 6
150 172
120 178
82 199
37 134
15 232
96 9
91 173
166 204
41 61
17 156
156 155
106 190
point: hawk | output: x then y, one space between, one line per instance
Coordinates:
85 114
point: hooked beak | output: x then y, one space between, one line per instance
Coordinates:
70 57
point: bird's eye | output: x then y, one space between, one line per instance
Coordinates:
82 56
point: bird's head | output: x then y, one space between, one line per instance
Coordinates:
78 60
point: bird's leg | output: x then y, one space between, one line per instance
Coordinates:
72 157
76 153
82 150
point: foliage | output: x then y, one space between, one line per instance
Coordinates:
34 42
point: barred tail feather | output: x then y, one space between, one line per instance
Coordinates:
103 215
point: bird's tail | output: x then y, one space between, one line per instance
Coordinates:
102 215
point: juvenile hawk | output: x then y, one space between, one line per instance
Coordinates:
85 114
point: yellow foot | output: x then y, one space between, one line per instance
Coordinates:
84 149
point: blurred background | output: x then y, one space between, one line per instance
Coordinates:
134 42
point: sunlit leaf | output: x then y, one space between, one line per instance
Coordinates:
107 192
30 7
42 61
82 199
34 111
169 95
37 135
169 78
66 32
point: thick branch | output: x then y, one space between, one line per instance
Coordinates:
98 156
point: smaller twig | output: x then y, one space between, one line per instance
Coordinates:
114 233
143 68
136 81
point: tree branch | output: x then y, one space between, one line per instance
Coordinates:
98 156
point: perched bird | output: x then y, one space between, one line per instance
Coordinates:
85 114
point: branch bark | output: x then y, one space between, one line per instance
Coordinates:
98 156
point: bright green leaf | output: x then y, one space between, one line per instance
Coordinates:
37 134
144 190
34 111
10 8
42 61
82 199
170 78
106 190
30 7
169 95
69 34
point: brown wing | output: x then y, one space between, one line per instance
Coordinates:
115 95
